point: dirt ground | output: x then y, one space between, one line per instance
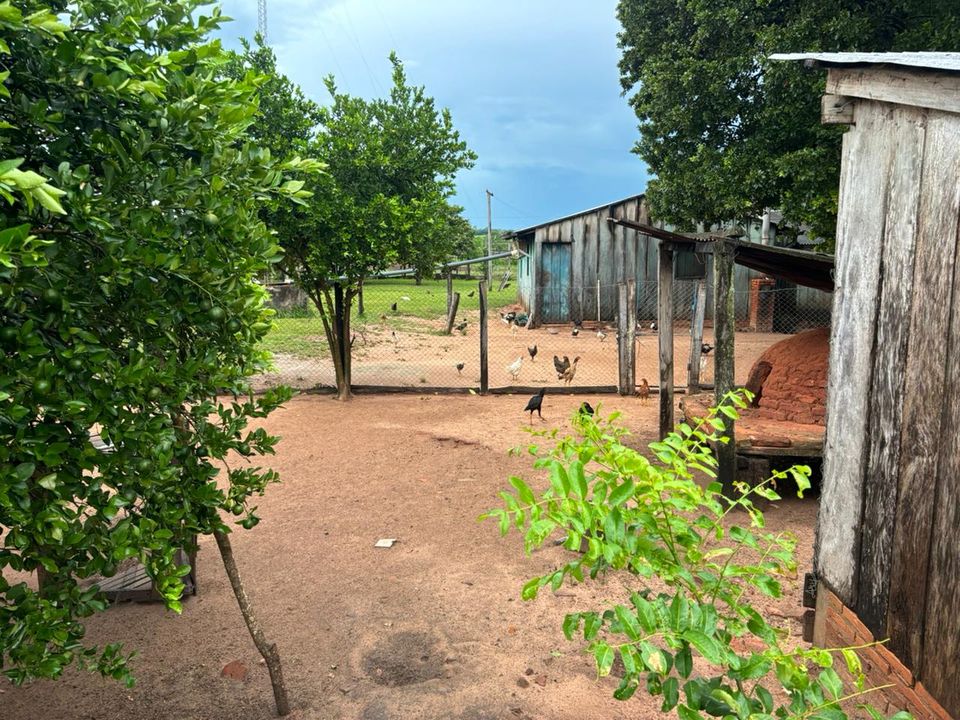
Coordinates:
431 628
411 351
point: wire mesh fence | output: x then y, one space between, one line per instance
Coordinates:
400 335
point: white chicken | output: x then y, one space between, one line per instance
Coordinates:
514 367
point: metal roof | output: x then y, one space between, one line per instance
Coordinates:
945 61
526 230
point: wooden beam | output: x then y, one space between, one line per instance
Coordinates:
723 375
836 110
484 340
696 336
665 337
860 228
920 88
626 336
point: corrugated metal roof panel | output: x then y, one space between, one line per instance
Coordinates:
946 61
531 228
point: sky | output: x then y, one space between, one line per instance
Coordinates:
532 85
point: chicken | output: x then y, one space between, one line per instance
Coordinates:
393 307
643 392
585 408
532 349
514 367
601 335
705 350
508 318
653 326
535 403
470 294
561 365
575 331
459 368
462 327
570 371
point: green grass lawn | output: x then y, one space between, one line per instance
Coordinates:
301 332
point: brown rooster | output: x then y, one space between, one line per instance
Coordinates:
643 392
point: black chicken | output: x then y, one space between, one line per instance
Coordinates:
462 326
532 349
705 348
535 403
459 368
561 365
394 307
575 331
585 408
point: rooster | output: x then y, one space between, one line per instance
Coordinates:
570 371
514 367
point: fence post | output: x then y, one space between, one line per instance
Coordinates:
341 318
696 336
665 332
484 376
452 312
626 334
724 327
449 291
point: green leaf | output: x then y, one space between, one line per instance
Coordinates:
604 656
48 481
706 646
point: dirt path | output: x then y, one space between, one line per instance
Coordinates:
432 628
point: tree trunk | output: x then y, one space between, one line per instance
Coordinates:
267 650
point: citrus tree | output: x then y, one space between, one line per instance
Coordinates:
129 243
694 563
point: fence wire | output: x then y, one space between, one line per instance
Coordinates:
400 339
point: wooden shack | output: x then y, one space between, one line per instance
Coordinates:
571 266
887 557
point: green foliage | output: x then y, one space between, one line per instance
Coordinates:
728 132
384 199
129 244
697 569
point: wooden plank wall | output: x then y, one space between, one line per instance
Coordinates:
888 537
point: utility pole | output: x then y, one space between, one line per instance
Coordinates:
262 19
489 239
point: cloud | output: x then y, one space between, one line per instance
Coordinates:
533 86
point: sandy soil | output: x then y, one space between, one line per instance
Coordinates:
410 352
432 628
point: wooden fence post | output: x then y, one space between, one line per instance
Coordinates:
626 337
449 291
452 312
665 330
696 337
723 373
484 370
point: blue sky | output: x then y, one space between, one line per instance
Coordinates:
532 85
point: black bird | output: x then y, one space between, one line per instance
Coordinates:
532 349
585 408
575 331
470 294
535 403
561 365
394 307
705 348
459 368
462 326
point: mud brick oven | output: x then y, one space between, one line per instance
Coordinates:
887 555
795 390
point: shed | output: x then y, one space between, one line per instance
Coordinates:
572 265
887 556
